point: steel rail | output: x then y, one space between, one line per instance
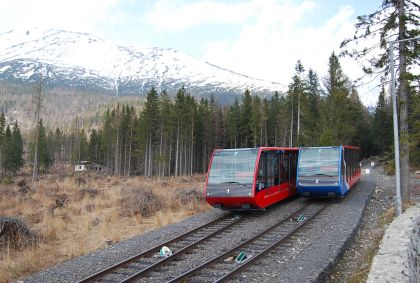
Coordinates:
216 259
271 247
178 253
108 270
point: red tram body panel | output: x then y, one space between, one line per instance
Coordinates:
251 178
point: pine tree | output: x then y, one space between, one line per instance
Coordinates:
167 130
255 121
93 147
382 124
17 149
105 139
205 134
415 122
234 116
2 142
337 127
274 132
8 152
311 110
296 97
44 159
83 147
394 20
245 126
179 118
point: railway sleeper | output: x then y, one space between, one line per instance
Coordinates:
134 267
120 273
253 249
202 278
146 261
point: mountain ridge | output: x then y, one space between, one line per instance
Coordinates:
84 61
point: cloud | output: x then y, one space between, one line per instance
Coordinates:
269 47
78 15
272 35
170 15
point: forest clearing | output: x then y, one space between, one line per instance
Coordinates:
69 215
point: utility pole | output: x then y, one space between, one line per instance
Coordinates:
398 203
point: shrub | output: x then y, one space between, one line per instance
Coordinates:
88 192
80 181
189 198
15 233
390 167
6 180
140 201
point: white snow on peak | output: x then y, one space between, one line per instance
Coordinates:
98 57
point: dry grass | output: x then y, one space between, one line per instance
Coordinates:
76 214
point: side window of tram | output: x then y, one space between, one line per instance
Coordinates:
272 169
347 159
293 165
261 172
286 163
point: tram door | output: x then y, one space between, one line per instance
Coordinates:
284 171
272 172
268 178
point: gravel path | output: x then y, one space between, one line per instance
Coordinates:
355 262
312 252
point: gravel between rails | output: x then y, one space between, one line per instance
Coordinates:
79 268
224 241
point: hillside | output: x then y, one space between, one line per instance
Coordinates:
84 62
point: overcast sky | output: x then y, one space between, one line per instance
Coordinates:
259 38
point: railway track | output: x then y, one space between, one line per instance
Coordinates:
218 264
223 267
148 260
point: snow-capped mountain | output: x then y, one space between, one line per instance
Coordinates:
80 60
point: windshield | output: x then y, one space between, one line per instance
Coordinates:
319 161
234 166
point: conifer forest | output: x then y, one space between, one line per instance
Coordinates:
172 136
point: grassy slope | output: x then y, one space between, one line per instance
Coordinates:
86 223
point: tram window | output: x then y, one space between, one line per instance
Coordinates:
277 169
293 161
286 158
282 168
261 172
272 171
354 163
347 163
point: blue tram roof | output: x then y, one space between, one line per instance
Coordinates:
332 146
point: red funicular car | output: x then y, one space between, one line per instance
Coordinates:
251 178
